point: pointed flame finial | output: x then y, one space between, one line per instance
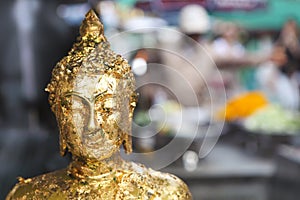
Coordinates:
92 28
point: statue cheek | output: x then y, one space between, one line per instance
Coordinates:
99 118
112 126
74 142
70 133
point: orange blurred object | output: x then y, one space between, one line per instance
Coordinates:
243 106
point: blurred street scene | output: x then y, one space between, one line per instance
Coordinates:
218 84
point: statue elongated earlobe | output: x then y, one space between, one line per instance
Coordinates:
62 145
126 135
127 143
62 140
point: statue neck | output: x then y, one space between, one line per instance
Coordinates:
94 169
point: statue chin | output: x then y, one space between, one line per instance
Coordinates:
101 150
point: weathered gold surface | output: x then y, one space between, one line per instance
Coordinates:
92 95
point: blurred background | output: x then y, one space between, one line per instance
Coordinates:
218 84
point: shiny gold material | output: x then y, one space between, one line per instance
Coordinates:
92 95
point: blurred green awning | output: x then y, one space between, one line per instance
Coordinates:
271 17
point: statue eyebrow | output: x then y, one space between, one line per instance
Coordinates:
77 94
99 94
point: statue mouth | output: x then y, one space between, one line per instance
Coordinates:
94 139
94 133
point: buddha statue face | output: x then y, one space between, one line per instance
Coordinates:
92 96
94 118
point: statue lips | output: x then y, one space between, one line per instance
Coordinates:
94 139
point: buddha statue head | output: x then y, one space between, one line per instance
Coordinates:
92 96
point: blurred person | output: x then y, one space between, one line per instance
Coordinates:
278 87
289 41
231 58
230 55
258 42
278 77
186 57
228 44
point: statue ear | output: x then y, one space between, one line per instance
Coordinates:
62 140
127 140
126 133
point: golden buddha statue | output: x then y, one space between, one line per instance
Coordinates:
92 96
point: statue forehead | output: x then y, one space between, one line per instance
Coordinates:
96 83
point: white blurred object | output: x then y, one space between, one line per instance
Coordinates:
278 87
194 19
144 24
72 14
288 92
190 160
170 36
139 66
183 121
143 30
160 96
221 47
109 14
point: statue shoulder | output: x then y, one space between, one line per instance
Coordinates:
171 186
46 186
151 184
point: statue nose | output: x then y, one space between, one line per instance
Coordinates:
92 123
